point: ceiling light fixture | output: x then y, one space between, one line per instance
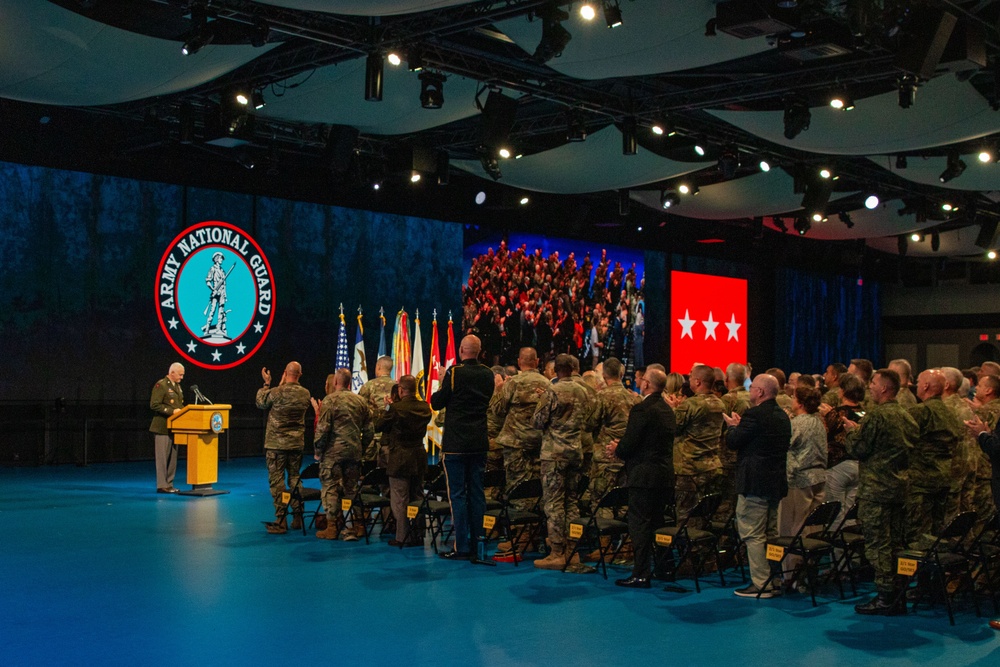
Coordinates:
554 36
257 99
202 32
260 33
373 77
802 226
394 59
907 91
415 59
729 162
916 238
992 254
764 166
871 202
842 100
900 162
612 13
576 127
663 127
955 168
431 90
825 173
587 11
668 199
630 143
985 156
797 116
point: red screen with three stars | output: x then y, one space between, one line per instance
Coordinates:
708 321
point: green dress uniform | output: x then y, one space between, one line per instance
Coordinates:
166 397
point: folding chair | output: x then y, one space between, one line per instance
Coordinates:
945 561
729 544
494 479
848 544
514 524
308 494
432 511
985 553
692 545
811 549
374 506
588 530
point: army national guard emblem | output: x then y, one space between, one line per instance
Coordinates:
215 295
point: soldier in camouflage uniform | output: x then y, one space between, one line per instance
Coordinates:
589 426
697 467
374 392
283 440
963 465
344 421
494 457
514 407
864 369
988 409
882 443
735 401
905 397
561 416
931 460
614 402
832 379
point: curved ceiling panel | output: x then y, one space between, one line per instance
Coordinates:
957 242
748 197
883 221
335 94
366 7
50 55
946 111
655 36
927 170
594 165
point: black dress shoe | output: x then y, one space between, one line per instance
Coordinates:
168 489
633 582
455 555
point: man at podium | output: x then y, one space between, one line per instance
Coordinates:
283 440
166 399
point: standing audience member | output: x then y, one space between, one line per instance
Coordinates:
646 448
842 469
736 400
989 442
761 439
963 465
987 408
697 466
614 403
466 390
403 425
905 397
284 441
374 392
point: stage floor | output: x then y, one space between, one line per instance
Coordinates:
101 570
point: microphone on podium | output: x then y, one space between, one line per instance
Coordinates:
198 396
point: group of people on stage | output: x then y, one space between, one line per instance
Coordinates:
912 454
520 299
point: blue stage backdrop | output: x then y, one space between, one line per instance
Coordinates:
79 254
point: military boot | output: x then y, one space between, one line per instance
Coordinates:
297 521
279 527
556 559
331 532
596 553
884 604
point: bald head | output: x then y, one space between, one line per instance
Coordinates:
470 347
763 388
657 380
527 359
930 384
293 371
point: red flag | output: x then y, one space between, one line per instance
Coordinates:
449 354
708 321
433 379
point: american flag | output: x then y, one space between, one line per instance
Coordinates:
343 355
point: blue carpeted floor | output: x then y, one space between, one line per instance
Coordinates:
100 570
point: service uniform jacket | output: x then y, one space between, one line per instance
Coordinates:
167 396
761 442
647 448
466 390
403 427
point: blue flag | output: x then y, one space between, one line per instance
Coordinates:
343 355
381 334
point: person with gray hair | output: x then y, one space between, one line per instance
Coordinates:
961 494
166 399
761 438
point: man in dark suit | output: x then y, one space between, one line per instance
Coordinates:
761 438
989 442
647 448
466 390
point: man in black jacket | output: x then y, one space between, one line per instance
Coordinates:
466 390
990 444
761 438
647 448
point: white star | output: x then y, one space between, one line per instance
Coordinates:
173 323
686 325
240 348
258 327
733 327
191 346
216 355
710 325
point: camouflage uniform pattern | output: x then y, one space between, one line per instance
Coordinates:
697 468
832 398
906 398
283 439
614 403
930 467
882 444
990 414
587 436
562 414
374 392
961 495
784 402
736 401
344 419
514 406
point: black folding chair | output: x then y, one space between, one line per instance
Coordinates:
431 512
848 545
308 494
985 553
729 544
691 545
811 549
587 531
517 525
369 501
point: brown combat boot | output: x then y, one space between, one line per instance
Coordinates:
556 559
596 553
297 521
331 532
279 527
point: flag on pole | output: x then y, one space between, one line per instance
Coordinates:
381 333
433 379
343 357
417 367
449 353
360 375
401 347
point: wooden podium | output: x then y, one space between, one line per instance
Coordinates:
198 427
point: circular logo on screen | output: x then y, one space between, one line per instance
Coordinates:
216 422
215 295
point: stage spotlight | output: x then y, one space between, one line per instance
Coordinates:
915 237
900 162
954 169
668 199
587 11
947 207
699 148
242 98
663 127
802 226
797 116
260 32
491 166
480 198
845 218
257 99
554 36
825 173
985 156
497 122
202 32
394 59
842 100
524 200
576 127
431 90
907 91
818 217
504 152
373 77
871 202
729 162
935 241
992 254
415 59
764 166
630 144
612 13
376 186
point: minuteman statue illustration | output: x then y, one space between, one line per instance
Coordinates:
216 281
